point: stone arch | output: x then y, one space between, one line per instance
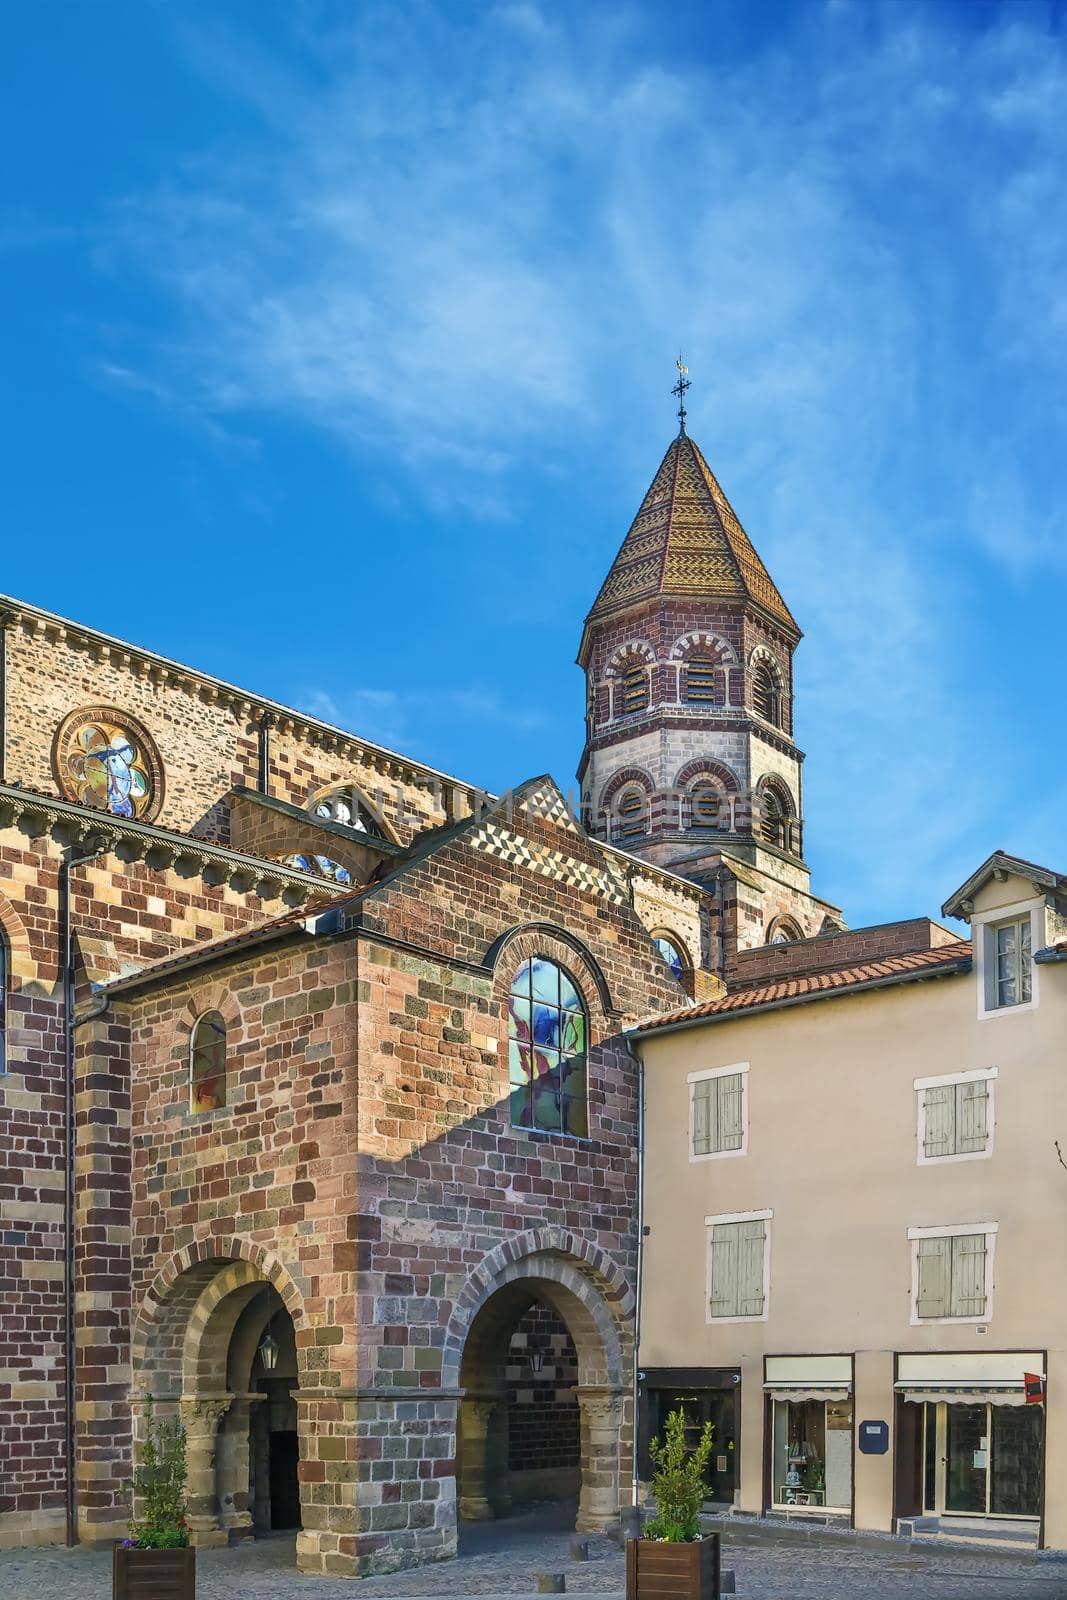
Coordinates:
760 652
719 647
680 944
636 652
528 939
621 780
776 819
587 1290
695 777
717 771
375 821
783 930
159 1347
20 961
182 1354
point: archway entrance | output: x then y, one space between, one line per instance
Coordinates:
219 1346
542 1368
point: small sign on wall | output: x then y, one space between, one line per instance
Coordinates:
874 1438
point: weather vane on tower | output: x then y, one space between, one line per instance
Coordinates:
679 389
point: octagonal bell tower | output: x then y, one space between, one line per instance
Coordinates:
689 758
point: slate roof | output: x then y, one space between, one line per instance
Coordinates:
884 970
687 540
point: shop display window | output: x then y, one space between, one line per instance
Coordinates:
811 1464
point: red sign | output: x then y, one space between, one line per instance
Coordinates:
1033 1388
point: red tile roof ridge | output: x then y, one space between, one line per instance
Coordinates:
754 996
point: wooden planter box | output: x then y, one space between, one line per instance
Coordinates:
657 1571
153 1574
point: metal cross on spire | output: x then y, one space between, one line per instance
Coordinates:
680 390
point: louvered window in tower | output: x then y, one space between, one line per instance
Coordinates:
700 681
634 690
631 814
772 825
705 806
765 696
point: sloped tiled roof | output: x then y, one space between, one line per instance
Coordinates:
686 540
817 985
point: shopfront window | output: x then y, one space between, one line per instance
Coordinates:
812 1454
983 1459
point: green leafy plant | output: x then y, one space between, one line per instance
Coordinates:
159 1486
678 1482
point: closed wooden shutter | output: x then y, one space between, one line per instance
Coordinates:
972 1116
968 1275
704 1109
751 1254
731 1105
724 1259
940 1134
934 1277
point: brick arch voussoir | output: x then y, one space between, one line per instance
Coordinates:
161 1321
21 964
703 768
688 643
527 940
619 781
563 1261
760 653
770 781
635 653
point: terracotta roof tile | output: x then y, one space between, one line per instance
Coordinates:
946 958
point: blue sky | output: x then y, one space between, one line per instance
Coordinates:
339 340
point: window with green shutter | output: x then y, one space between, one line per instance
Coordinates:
718 1114
956 1118
738 1258
952 1276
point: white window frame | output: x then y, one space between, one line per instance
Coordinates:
740 1067
946 1081
710 1224
983 930
948 1231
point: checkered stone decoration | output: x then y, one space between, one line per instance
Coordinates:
547 803
518 851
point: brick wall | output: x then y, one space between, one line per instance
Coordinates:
543 1417
846 948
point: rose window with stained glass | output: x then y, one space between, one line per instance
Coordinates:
105 759
547 1043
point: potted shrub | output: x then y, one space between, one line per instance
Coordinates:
673 1556
157 1562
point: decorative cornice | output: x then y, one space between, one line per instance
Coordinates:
74 826
162 671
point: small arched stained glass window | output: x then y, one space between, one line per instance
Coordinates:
347 807
207 1071
671 954
634 689
700 680
765 696
784 931
547 1043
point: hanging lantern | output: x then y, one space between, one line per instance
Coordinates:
537 1361
268 1352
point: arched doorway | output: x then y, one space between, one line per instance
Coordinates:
217 1342
540 1343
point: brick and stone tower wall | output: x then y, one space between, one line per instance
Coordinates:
689 758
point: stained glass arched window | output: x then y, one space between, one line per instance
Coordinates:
207 1067
322 866
348 807
672 954
547 1043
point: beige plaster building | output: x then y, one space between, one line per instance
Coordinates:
853 1203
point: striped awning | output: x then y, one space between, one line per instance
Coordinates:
962 1394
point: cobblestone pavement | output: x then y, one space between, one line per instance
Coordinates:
503 1559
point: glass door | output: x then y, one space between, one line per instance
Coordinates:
967 1459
